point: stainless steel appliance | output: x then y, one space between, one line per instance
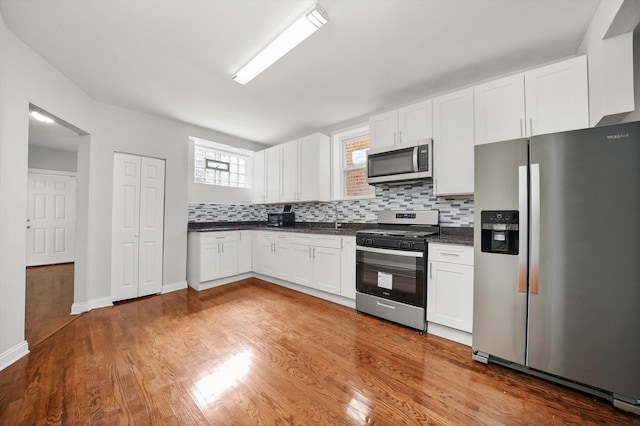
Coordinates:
391 281
557 259
400 164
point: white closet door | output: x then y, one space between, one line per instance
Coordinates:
151 226
137 226
51 218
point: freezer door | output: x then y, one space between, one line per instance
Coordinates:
499 306
584 306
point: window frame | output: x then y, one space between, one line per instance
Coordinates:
218 151
340 140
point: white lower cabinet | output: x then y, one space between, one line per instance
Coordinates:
215 255
326 269
310 260
450 292
321 262
244 252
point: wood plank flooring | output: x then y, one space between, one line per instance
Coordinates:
49 296
256 353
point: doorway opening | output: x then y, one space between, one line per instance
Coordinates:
52 213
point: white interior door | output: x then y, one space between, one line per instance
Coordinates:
51 218
137 226
151 226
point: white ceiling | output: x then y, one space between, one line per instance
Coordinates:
175 58
52 135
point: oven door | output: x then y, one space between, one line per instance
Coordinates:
391 274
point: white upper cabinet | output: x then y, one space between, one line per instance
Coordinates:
499 110
272 174
314 171
290 163
295 171
400 128
557 97
259 187
266 175
383 130
549 99
306 169
415 123
453 141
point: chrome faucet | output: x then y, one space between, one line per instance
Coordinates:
336 225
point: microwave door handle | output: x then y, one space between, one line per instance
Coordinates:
415 159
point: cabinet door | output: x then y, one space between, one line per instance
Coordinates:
326 269
557 97
259 184
290 171
283 252
228 259
453 143
450 295
244 251
302 265
499 110
272 174
415 123
308 189
257 248
209 261
383 130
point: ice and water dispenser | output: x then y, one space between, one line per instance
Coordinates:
500 231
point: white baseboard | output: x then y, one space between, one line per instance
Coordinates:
449 333
222 281
180 285
335 298
78 308
13 354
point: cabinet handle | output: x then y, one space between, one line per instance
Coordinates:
394 138
309 252
444 253
530 126
222 245
521 128
430 270
314 252
218 248
399 137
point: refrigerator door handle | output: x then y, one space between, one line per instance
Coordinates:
524 218
535 229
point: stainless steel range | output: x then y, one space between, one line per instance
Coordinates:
391 281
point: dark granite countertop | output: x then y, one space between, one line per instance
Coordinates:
448 235
454 235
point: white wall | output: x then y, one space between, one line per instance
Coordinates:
52 159
27 78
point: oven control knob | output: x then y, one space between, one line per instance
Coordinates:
406 244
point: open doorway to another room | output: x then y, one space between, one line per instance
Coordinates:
50 224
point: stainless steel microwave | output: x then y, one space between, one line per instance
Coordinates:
400 164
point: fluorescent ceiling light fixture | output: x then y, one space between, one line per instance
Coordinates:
306 25
41 117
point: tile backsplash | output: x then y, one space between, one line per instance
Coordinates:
455 212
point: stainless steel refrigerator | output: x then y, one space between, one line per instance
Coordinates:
557 259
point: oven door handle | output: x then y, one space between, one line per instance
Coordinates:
390 252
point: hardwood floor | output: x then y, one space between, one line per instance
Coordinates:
256 353
49 296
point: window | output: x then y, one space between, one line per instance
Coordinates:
216 167
354 145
